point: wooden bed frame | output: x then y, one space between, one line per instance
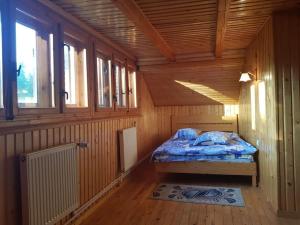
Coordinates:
208 123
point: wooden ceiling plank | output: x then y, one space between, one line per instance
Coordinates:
136 15
223 9
86 27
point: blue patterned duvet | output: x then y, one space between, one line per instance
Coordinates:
237 150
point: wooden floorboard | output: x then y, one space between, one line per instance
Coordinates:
130 204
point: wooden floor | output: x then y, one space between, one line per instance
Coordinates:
130 204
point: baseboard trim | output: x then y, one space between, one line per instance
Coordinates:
78 212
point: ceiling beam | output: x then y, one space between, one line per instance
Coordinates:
223 8
206 64
202 56
133 12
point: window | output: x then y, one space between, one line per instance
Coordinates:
132 89
35 66
120 88
253 107
1 65
75 75
104 95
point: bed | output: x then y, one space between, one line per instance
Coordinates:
179 156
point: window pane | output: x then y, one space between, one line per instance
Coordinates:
1 64
35 81
75 76
132 90
117 77
120 77
104 83
123 83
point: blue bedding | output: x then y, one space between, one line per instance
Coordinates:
236 150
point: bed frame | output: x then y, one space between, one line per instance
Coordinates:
208 123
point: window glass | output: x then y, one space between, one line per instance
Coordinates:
104 83
75 76
1 65
132 89
35 80
120 79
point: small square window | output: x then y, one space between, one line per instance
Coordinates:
35 80
132 89
121 92
104 83
75 76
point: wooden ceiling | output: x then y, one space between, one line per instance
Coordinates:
106 18
195 83
246 18
164 31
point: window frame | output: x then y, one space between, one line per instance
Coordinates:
75 37
133 68
3 15
35 21
121 64
40 15
100 54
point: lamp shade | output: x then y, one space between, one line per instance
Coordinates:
245 77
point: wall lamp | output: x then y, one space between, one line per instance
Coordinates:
247 76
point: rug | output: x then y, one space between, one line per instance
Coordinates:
199 194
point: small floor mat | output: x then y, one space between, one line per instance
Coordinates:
199 194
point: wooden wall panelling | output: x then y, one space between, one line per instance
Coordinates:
3 197
260 57
148 121
99 162
164 114
287 56
295 77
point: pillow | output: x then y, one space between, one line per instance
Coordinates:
217 137
186 134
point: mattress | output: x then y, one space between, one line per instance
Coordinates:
178 150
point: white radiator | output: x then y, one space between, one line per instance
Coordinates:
49 180
128 148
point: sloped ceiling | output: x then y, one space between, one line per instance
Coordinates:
196 83
189 27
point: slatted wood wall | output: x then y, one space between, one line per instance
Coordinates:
99 164
164 114
260 57
276 55
287 58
